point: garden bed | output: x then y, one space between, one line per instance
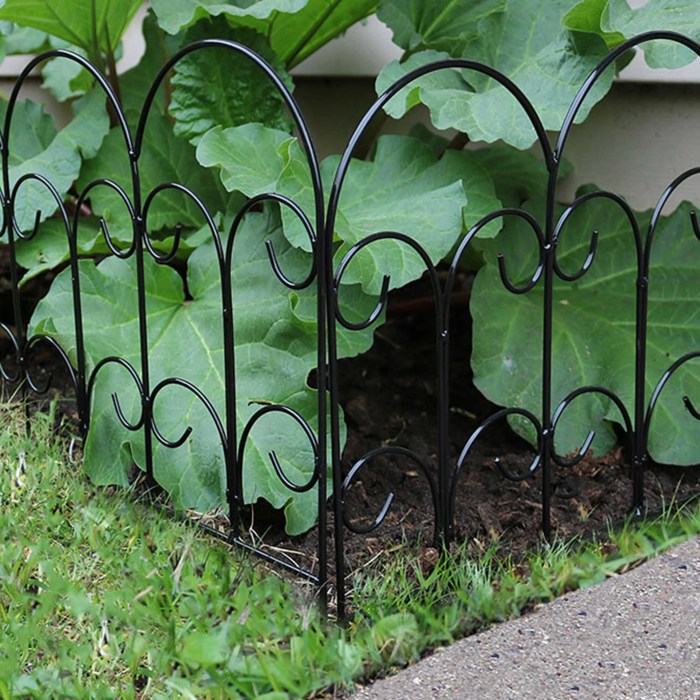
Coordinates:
388 395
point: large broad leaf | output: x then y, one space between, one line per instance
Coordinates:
176 15
517 175
529 45
673 15
165 158
219 87
251 157
136 82
587 17
296 36
443 25
16 39
294 28
66 79
274 355
594 331
49 248
37 147
616 21
405 189
94 25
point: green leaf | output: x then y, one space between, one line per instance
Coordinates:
528 44
594 331
204 649
176 15
251 157
38 130
165 158
49 248
671 15
296 36
294 28
38 148
217 87
517 175
405 188
137 81
275 352
94 25
421 90
443 25
66 79
16 39
587 17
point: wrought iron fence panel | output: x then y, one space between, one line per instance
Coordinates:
325 278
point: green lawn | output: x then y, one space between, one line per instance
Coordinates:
102 596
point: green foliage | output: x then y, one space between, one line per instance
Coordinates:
58 156
294 28
526 42
16 39
217 87
594 329
94 25
166 158
176 15
275 352
218 127
445 25
616 22
49 249
405 188
66 79
295 37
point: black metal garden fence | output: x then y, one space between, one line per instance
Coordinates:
323 432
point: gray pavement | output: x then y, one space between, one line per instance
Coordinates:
631 636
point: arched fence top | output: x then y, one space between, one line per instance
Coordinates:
405 81
84 63
270 74
597 72
319 438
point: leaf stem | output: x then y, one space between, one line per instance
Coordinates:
290 60
458 142
113 79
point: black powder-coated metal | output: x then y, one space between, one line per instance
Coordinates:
325 276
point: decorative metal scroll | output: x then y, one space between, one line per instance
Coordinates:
325 277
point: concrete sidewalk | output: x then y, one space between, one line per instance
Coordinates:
632 636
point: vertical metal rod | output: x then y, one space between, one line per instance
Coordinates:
443 398
547 321
81 388
322 307
444 477
233 488
143 320
8 223
638 459
338 533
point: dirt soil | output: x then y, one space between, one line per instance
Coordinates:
389 398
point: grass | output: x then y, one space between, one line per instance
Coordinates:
101 596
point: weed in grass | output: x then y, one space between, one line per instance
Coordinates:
105 597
